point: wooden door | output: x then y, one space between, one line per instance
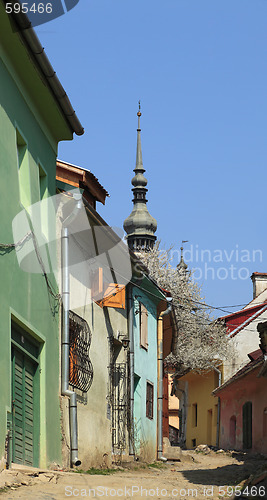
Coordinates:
247 425
23 411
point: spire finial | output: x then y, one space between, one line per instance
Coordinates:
139 161
140 226
182 266
139 114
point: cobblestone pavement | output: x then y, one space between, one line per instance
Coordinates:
197 476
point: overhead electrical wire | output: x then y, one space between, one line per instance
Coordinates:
19 244
202 305
183 306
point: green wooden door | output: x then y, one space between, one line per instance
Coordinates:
23 408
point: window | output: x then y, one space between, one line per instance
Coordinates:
81 369
209 427
143 317
97 287
194 415
42 183
24 172
44 205
149 400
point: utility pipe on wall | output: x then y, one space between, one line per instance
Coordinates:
219 408
131 337
65 346
160 376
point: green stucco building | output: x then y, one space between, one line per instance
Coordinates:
35 114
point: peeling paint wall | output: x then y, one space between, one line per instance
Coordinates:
249 388
94 406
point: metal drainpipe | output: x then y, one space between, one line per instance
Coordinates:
131 337
219 408
66 333
160 377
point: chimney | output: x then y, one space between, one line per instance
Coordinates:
262 329
259 281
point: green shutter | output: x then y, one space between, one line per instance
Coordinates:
29 398
17 408
23 408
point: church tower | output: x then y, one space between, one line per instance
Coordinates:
140 226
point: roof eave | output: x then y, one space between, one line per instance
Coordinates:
37 52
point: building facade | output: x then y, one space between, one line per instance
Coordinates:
98 327
244 408
200 406
145 299
32 122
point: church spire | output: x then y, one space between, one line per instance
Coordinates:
140 226
182 266
139 160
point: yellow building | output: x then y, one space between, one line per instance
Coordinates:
173 406
201 408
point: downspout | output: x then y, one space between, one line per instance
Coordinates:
131 338
219 408
160 377
66 333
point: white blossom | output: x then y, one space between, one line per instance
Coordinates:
201 341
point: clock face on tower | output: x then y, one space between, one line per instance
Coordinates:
40 11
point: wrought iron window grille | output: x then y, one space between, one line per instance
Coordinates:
118 402
81 368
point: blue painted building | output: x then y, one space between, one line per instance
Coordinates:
145 301
144 298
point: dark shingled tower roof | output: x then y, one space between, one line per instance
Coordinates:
140 226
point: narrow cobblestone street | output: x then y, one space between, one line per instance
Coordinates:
197 476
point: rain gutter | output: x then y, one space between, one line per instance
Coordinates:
65 346
39 56
129 289
160 377
219 407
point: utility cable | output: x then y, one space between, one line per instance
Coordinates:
19 244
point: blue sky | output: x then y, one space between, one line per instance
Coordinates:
199 68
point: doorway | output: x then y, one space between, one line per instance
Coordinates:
25 400
247 425
209 427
